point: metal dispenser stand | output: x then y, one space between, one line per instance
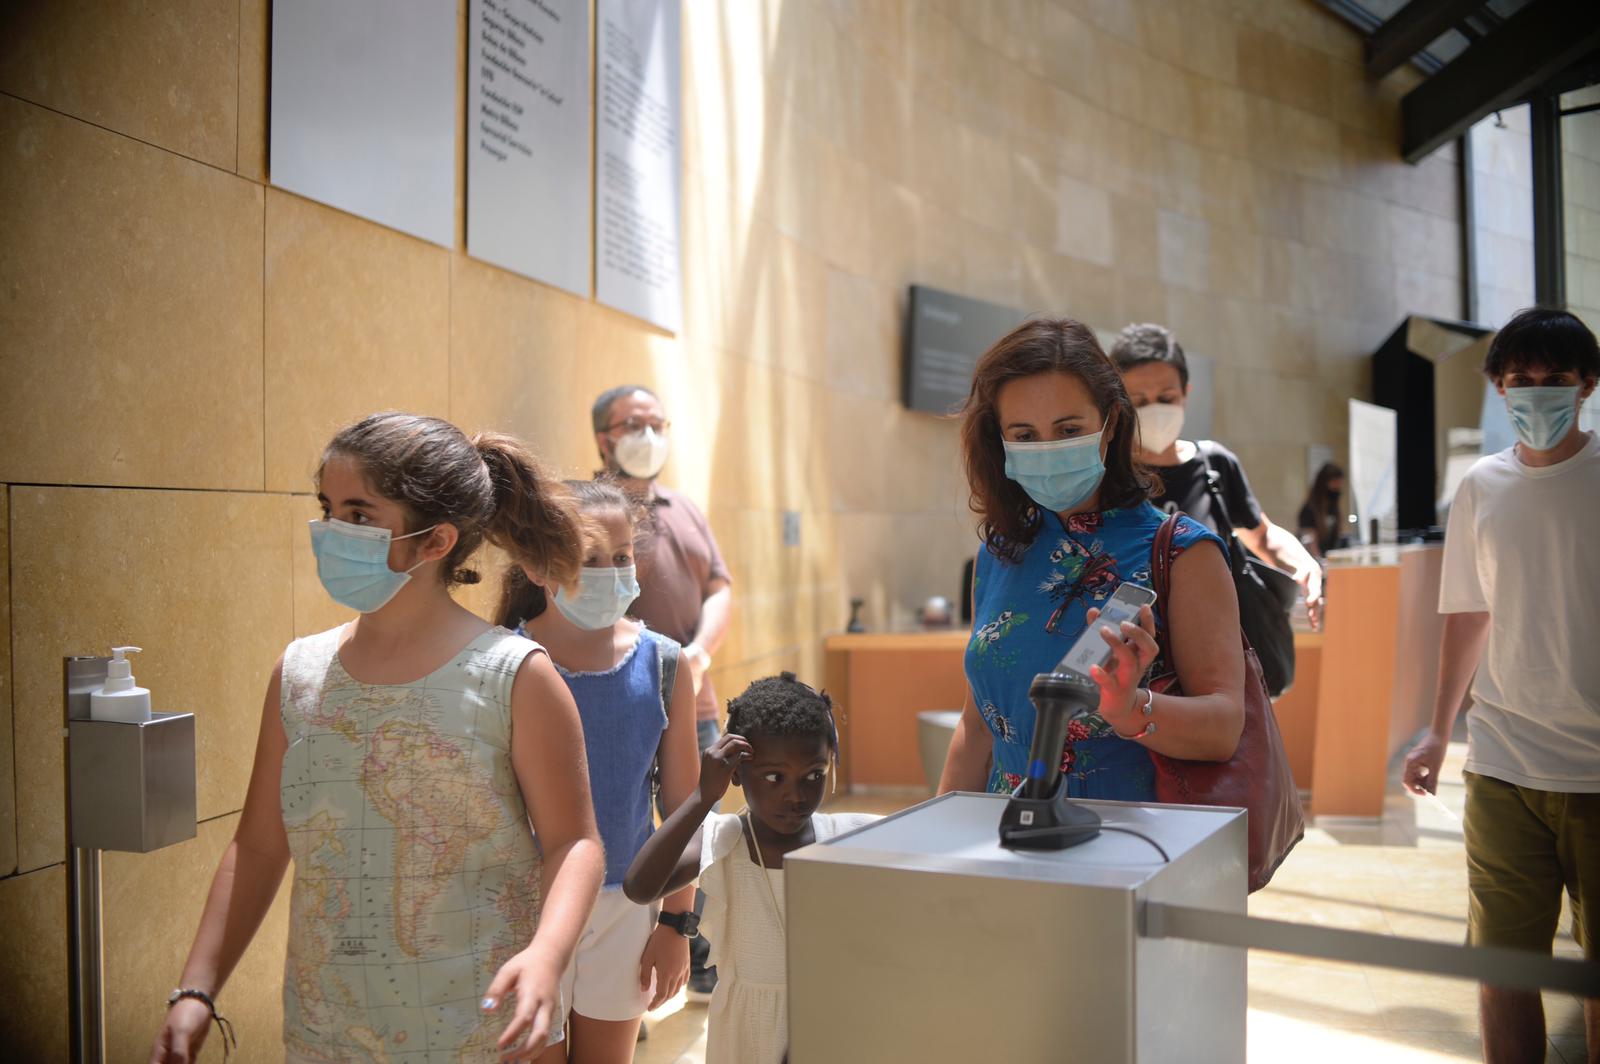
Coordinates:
130 787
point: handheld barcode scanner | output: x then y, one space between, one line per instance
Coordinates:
1039 815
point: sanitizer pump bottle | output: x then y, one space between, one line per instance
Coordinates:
119 699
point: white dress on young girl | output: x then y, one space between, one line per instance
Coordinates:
748 1022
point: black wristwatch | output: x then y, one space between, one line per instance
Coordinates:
686 924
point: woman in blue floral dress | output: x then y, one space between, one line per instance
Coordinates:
1049 441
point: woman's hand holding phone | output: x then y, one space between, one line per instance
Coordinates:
1133 648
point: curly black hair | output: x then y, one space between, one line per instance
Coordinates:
783 705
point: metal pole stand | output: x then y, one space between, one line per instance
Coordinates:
130 788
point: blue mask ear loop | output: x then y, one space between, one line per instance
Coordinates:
408 535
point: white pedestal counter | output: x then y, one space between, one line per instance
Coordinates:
919 938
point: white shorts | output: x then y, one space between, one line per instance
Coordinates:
602 982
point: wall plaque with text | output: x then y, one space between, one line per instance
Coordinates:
946 334
528 182
637 159
364 109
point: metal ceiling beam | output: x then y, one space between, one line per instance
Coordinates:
1579 75
1549 235
1411 29
1534 46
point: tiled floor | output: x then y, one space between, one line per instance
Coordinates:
1403 876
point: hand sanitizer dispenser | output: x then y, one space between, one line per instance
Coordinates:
131 778
120 699
130 787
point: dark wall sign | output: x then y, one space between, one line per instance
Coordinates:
946 334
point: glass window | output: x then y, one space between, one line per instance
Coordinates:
1580 211
1502 214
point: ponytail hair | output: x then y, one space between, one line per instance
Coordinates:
534 518
488 487
520 598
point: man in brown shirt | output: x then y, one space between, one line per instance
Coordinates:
684 589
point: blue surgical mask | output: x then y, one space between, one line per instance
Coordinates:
353 563
1542 417
1057 475
604 595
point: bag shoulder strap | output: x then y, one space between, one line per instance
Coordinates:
670 654
1237 560
1219 505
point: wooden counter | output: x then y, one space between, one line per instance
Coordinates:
1375 679
881 681
1296 708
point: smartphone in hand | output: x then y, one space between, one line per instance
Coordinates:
1090 648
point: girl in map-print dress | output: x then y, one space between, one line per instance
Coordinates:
423 770
416 876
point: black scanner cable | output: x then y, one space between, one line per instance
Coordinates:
1035 833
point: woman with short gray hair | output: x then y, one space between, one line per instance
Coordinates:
1198 476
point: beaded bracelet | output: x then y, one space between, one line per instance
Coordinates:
230 1041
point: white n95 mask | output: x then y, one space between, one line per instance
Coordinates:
642 454
1159 425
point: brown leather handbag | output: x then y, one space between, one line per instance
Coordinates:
1257 778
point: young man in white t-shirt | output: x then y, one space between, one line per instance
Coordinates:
1521 596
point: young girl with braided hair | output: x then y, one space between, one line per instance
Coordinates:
779 748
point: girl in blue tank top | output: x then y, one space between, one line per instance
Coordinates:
636 719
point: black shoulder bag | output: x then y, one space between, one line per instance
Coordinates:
1266 594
